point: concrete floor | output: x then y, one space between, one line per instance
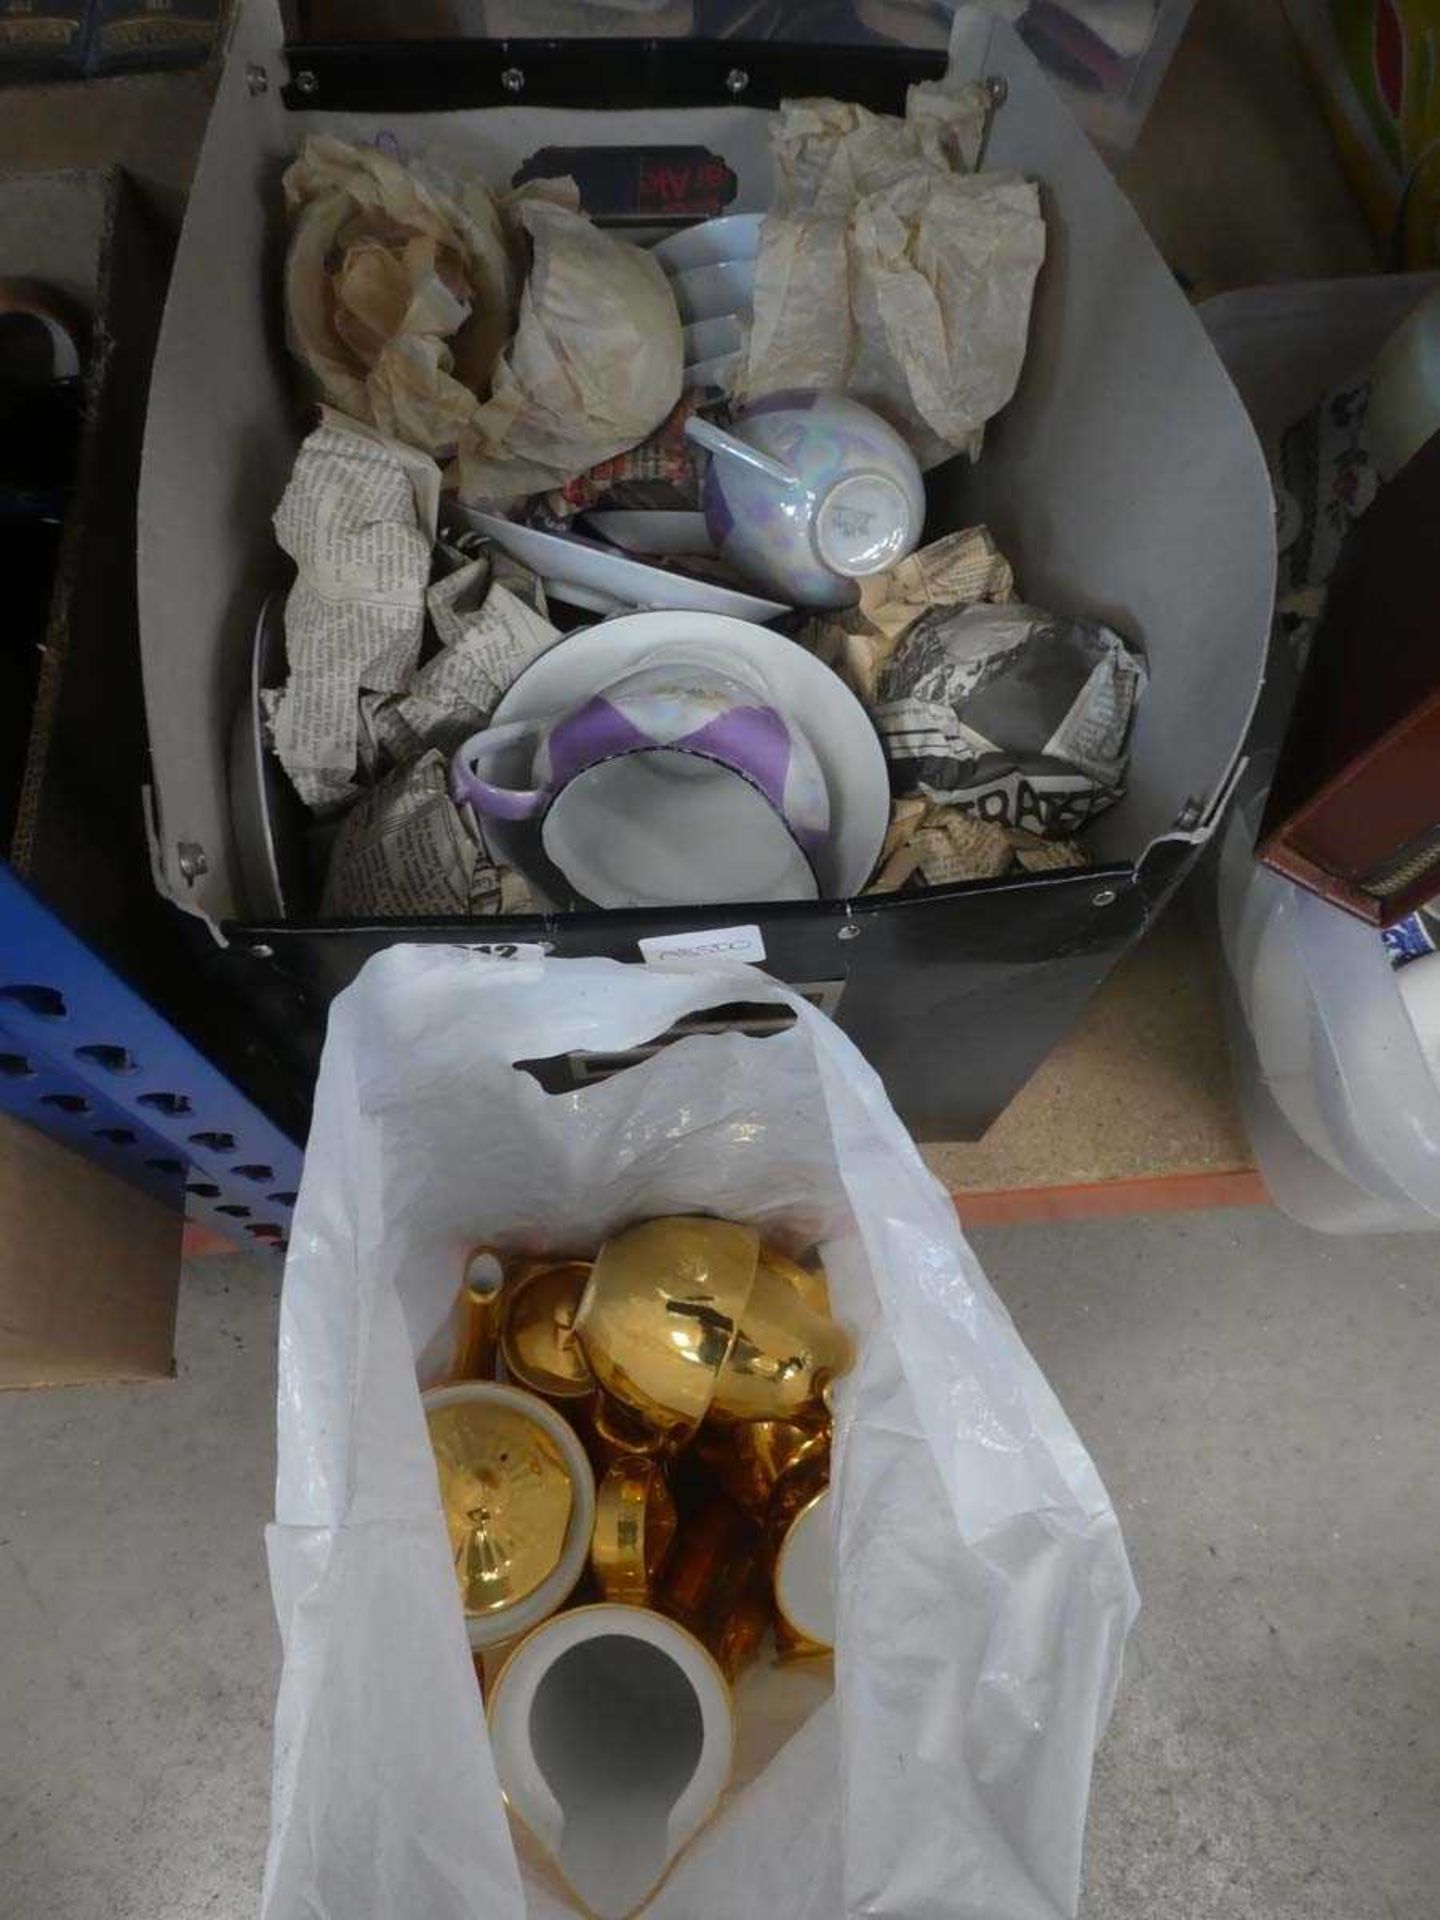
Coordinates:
1260 1402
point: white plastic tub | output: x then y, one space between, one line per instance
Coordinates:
1341 1108
1340 1103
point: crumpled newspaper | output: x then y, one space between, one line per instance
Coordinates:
955 571
1020 715
401 288
931 843
889 273
404 299
1325 479
933 846
358 518
593 368
488 634
829 154
403 852
662 471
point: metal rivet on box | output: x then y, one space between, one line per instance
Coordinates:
306 81
1106 897
850 931
257 79
736 80
997 92
513 80
191 857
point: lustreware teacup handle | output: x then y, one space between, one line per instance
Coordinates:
468 787
715 440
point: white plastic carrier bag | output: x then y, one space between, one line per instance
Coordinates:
941 1767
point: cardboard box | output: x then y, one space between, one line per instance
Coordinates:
1124 480
78 835
89 1273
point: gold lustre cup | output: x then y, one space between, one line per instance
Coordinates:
537 1333
660 1316
634 1528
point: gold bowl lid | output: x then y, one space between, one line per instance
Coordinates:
507 1492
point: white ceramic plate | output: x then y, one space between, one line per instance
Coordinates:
709 293
712 373
265 814
606 581
735 236
809 695
652 532
707 338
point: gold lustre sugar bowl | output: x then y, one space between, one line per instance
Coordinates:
518 1497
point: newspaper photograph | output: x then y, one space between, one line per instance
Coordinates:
1021 716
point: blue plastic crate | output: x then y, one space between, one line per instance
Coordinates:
87 1060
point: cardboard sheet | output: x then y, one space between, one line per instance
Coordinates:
94 1298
